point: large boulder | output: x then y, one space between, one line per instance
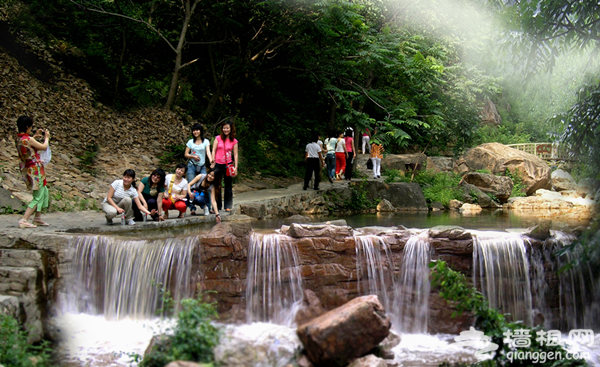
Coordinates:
401 195
498 158
499 186
347 332
563 181
404 162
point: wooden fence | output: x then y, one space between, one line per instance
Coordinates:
546 151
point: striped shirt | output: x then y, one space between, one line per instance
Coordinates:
120 191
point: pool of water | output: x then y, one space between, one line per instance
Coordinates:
497 220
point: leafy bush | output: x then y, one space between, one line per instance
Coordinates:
440 186
193 338
15 351
454 287
172 155
518 189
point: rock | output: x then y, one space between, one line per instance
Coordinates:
310 309
390 342
345 333
318 230
368 361
239 345
185 364
477 196
254 210
385 206
9 305
562 180
436 206
498 158
296 219
25 197
440 164
588 186
499 186
454 204
404 162
470 208
9 201
403 196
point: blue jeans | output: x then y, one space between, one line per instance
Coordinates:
330 160
192 172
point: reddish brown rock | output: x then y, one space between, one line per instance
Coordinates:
345 333
310 309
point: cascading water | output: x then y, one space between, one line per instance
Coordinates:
274 290
411 303
124 278
375 271
501 273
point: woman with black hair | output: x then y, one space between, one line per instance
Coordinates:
32 170
225 153
195 150
176 191
151 190
121 195
203 188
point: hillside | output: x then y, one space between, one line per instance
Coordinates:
79 126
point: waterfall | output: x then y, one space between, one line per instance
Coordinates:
274 290
375 271
579 301
501 273
123 278
411 304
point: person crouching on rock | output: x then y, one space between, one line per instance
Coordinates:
176 188
120 197
32 170
202 190
151 190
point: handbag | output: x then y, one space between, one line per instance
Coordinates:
230 171
369 163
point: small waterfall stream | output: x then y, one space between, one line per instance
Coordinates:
124 278
274 289
501 273
375 269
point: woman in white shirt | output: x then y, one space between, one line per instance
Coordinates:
121 195
340 157
175 196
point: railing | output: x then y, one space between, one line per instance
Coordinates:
546 151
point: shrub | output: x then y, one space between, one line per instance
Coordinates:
15 351
193 338
440 186
518 186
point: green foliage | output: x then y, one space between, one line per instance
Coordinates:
453 286
518 189
172 155
193 338
359 199
391 175
15 351
440 186
87 159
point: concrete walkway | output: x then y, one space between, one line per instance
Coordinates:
94 222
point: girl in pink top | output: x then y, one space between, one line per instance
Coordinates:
225 150
351 154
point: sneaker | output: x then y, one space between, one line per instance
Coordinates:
130 222
206 211
109 221
330 179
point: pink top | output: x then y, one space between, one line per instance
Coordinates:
224 153
366 133
348 143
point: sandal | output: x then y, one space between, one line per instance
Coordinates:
181 215
26 224
40 222
227 210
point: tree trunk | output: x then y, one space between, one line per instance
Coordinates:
179 50
120 69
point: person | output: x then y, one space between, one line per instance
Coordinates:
366 138
203 187
176 191
351 149
121 195
314 162
32 170
151 191
330 144
376 156
340 157
196 150
225 152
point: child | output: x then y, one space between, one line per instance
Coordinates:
314 162
376 156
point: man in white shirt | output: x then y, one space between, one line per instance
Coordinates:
314 162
